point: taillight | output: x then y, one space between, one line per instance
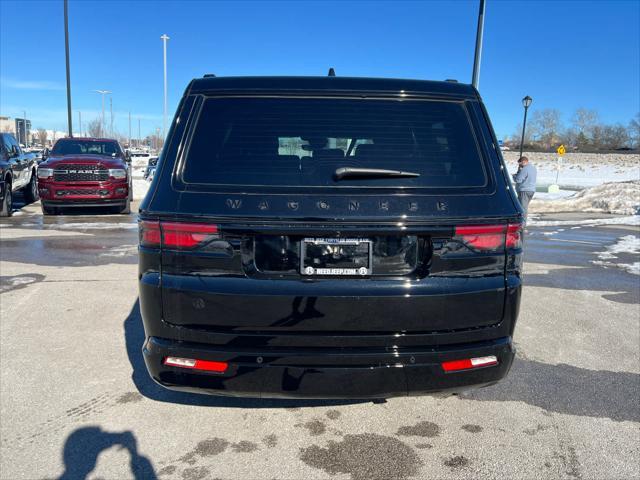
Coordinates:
514 236
186 235
175 235
481 237
149 233
490 237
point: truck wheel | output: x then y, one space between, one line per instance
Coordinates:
7 202
48 210
127 208
31 190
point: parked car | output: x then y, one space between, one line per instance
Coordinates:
17 172
329 237
85 172
150 168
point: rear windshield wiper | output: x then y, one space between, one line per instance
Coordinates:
350 172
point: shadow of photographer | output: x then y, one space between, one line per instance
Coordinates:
84 445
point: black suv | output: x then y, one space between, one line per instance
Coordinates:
329 237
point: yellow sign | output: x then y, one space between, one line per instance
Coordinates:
561 150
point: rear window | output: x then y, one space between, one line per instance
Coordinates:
302 142
85 147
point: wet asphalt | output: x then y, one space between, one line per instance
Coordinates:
76 401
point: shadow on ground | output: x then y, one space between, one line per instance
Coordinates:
84 445
622 287
135 337
567 389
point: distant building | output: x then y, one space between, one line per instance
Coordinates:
23 130
7 125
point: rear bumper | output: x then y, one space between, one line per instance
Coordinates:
332 373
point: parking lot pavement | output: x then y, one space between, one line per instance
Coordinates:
76 398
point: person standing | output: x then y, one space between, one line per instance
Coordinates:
525 180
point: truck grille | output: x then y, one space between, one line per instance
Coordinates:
82 191
80 173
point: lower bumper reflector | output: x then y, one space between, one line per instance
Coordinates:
469 363
195 364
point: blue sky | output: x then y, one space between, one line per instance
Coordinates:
565 54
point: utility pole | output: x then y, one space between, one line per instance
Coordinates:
111 116
66 47
164 38
25 140
102 124
478 54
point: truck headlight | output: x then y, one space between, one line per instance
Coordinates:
117 173
45 172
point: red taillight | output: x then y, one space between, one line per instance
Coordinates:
490 237
482 237
514 236
186 235
195 364
175 234
149 233
468 363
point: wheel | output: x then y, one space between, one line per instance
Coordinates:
31 190
7 202
126 210
48 210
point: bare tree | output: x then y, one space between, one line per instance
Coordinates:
42 137
94 128
547 125
634 131
584 120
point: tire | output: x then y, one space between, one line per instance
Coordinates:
31 190
6 209
126 210
48 210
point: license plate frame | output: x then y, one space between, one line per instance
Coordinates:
354 270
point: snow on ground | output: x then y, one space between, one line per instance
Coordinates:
633 220
580 169
622 198
628 244
140 185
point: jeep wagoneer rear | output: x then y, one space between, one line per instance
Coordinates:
329 237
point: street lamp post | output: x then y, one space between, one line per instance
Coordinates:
102 125
164 38
66 50
526 102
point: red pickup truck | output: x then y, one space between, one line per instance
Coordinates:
85 172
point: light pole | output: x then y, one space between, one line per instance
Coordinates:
111 116
164 38
478 53
129 129
80 122
66 48
103 93
139 137
526 102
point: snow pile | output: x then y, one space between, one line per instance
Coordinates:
580 169
622 198
627 244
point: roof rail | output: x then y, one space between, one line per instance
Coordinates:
209 75
332 72
452 80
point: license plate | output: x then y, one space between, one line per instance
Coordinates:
336 256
